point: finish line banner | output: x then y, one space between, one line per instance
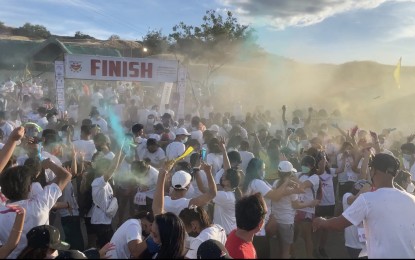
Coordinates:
120 68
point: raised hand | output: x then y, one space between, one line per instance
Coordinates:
17 134
206 167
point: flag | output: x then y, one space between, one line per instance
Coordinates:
397 73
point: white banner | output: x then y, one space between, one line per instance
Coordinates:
120 68
60 85
181 86
165 96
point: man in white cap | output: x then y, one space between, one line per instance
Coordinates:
177 147
180 183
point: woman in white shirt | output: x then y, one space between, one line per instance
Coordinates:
224 211
145 176
353 242
254 183
214 156
284 210
105 205
349 176
198 225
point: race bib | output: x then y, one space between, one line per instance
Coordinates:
140 198
361 234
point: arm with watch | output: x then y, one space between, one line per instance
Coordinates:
16 232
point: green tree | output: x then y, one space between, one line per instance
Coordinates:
32 31
216 41
156 42
80 35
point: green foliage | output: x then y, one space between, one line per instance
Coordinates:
32 31
80 35
155 42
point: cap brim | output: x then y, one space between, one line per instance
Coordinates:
60 246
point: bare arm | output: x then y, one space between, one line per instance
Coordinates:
63 177
199 182
136 248
226 163
15 233
158 200
114 164
296 204
206 197
8 149
337 224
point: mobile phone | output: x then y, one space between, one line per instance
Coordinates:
203 154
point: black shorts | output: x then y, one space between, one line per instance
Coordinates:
325 211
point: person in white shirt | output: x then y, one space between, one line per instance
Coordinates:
310 182
388 214
254 183
105 205
128 240
199 226
15 183
5 126
177 147
42 120
98 120
353 242
350 174
246 156
408 159
224 209
284 210
196 133
153 153
145 178
85 145
215 156
102 145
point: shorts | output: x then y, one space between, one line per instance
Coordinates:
325 211
286 233
302 216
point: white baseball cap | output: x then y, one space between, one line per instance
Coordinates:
286 166
214 128
181 180
182 131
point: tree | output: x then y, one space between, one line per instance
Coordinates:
215 42
156 42
32 31
114 37
80 35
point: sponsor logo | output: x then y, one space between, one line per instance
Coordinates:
76 66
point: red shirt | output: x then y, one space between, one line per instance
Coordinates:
239 248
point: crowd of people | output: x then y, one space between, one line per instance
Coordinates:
108 184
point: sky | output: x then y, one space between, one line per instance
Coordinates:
311 31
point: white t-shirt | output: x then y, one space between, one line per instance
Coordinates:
327 188
246 157
37 214
283 210
410 168
149 180
175 206
216 160
130 230
388 216
156 158
85 146
198 135
68 195
35 189
102 195
102 124
308 195
214 232
174 150
224 212
351 235
204 179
